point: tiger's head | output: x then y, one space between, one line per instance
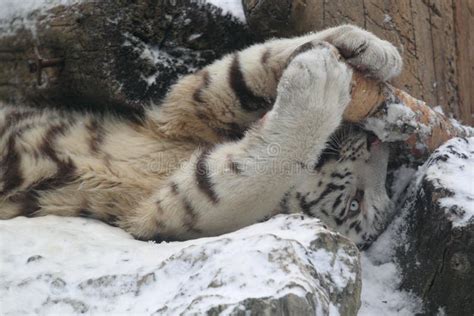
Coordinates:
347 188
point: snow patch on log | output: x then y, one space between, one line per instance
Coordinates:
435 246
396 124
450 168
230 6
16 14
10 9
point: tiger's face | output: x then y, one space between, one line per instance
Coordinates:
347 190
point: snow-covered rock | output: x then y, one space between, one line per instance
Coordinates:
290 264
436 248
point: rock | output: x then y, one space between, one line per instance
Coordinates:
33 259
436 254
111 54
283 18
289 265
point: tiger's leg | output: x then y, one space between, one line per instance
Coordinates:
239 183
225 98
27 157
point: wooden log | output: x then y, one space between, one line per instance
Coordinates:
114 55
394 115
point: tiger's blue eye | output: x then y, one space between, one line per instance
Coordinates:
354 205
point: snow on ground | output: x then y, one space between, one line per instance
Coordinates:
381 277
49 261
233 7
62 266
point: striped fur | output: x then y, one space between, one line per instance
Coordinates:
205 162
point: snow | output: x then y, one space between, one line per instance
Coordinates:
177 60
398 118
402 178
68 265
397 122
380 295
449 168
387 19
233 7
21 8
381 277
17 14
73 265
381 274
467 131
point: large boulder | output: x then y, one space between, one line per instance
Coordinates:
289 265
436 253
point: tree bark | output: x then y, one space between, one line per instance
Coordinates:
435 37
435 253
112 54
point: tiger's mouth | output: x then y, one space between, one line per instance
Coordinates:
372 140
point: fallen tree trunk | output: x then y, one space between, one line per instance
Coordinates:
110 54
394 115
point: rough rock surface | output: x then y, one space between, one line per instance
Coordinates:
436 253
288 265
115 54
283 17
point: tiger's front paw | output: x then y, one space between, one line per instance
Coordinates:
366 52
313 93
316 81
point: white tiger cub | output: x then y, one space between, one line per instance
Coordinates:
203 163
